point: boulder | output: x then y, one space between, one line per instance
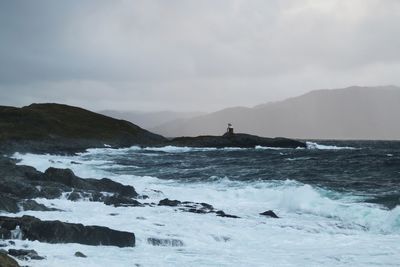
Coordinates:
32 228
25 254
167 202
269 213
121 201
7 261
80 255
221 213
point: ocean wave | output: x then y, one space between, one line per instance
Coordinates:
244 198
313 145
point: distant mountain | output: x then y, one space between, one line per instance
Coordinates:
62 128
150 119
349 113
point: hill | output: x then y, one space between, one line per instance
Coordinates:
56 127
349 113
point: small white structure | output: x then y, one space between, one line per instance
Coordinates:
229 130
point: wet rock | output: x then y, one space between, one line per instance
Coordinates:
32 228
269 213
165 242
25 254
167 202
221 213
13 204
20 184
7 261
121 201
9 204
80 255
74 196
33 205
194 207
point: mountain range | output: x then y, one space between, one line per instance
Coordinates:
349 113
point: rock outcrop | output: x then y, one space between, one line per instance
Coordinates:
236 140
194 207
7 261
20 184
31 228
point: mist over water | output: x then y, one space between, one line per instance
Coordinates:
338 203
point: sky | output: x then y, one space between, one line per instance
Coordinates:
192 55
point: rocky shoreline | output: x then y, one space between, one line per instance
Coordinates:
60 129
20 185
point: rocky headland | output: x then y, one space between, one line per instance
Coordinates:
62 129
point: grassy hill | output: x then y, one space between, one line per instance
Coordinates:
65 127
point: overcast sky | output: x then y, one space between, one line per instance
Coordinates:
192 55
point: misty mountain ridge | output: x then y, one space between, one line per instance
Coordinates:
150 119
350 113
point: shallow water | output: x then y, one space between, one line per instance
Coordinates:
338 203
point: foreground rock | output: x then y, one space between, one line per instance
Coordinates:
31 228
20 184
25 254
7 261
236 140
194 207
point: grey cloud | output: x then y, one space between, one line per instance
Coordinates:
199 55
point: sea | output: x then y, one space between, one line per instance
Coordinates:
338 203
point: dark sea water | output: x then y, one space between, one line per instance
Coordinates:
338 203
366 168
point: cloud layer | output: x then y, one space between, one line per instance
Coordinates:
192 55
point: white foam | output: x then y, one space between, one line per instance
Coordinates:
313 145
269 148
315 228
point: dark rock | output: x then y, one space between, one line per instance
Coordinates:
165 242
33 205
74 196
269 213
61 232
9 204
236 140
80 255
220 213
7 261
13 204
193 207
25 254
97 197
12 243
121 201
167 202
19 184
